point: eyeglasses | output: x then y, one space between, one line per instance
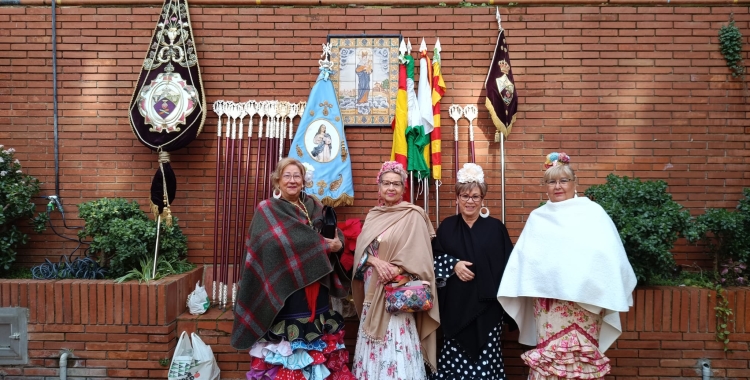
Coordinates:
288 176
465 198
561 181
389 183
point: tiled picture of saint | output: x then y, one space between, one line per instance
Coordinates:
322 141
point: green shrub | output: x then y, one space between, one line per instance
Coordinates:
16 191
727 236
123 236
648 220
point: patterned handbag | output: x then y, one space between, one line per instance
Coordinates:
408 295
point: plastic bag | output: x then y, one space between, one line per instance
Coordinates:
182 360
193 361
205 359
197 301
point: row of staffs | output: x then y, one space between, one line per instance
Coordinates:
271 143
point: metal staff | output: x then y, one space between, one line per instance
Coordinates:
471 112
234 112
283 112
293 111
219 110
228 106
271 111
240 109
251 109
455 111
261 108
502 171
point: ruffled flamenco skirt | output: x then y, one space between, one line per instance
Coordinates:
296 348
568 347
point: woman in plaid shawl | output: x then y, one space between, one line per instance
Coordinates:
282 311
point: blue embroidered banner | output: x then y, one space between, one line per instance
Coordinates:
320 143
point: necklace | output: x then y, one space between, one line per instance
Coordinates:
304 211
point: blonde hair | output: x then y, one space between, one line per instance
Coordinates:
559 171
286 161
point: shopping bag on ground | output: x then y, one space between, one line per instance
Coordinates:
198 301
182 360
206 365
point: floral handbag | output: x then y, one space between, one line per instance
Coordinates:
408 295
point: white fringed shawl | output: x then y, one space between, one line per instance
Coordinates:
570 251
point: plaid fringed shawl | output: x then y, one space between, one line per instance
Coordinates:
284 255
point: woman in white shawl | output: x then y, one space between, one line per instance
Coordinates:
566 281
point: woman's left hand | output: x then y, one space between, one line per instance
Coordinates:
334 244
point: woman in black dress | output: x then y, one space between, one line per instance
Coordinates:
470 250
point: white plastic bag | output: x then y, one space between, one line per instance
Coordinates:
182 360
205 360
197 301
193 361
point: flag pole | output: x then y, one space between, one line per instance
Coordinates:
219 110
502 172
455 111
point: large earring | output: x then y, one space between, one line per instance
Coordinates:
276 193
484 211
575 193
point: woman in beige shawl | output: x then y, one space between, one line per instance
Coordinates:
395 239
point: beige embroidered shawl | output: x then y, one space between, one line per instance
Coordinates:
406 243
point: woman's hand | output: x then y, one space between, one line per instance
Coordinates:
334 244
386 271
464 274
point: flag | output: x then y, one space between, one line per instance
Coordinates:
320 142
502 98
438 90
399 150
424 98
416 140
168 106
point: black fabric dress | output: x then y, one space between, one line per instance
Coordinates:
470 315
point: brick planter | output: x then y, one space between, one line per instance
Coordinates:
665 334
114 330
122 331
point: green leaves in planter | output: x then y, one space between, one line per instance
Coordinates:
648 220
16 191
123 236
727 236
164 268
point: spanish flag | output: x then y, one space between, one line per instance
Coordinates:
399 151
438 90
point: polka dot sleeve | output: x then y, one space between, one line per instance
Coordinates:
444 268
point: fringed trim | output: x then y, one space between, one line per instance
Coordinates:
166 215
499 125
342 200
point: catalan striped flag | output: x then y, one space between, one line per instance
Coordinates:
399 150
438 90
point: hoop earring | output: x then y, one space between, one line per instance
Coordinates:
484 211
276 193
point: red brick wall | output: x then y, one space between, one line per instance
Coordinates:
113 331
665 333
638 91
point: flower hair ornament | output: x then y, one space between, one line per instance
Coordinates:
470 173
554 159
389 166
473 173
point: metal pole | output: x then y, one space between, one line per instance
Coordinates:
502 171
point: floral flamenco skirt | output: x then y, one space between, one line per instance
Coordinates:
568 347
295 349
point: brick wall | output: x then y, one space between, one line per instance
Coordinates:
632 90
113 331
665 335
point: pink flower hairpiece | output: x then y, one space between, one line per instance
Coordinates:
390 166
555 158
